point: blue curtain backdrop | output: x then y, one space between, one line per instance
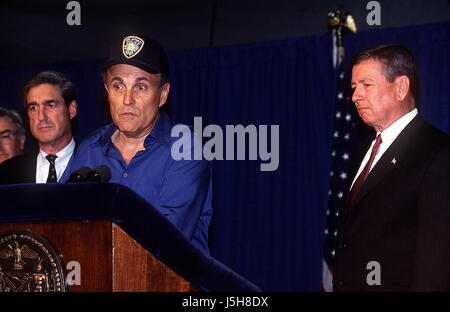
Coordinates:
267 226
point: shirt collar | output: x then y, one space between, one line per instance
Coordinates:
160 131
62 154
390 134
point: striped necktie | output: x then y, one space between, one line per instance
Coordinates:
52 171
365 172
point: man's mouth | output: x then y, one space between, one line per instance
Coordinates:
127 114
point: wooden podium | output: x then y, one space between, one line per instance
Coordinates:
119 240
109 259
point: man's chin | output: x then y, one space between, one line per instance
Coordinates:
366 118
45 139
132 129
127 128
130 133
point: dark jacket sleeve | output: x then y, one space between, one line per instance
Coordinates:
431 271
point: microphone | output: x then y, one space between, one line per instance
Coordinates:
99 174
79 175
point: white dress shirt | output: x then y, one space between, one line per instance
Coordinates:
387 137
43 165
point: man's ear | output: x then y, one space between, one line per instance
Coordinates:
21 143
401 87
165 89
73 109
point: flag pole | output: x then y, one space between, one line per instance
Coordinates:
339 22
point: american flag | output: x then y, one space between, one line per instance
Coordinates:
342 144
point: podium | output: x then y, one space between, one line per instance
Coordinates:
105 237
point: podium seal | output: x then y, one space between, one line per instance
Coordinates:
29 263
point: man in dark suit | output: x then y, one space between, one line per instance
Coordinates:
394 232
50 105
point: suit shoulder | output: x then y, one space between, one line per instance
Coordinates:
19 169
18 161
94 136
434 137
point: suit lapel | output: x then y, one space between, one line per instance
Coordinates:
390 160
385 165
33 168
28 169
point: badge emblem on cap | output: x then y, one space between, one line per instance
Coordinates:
131 46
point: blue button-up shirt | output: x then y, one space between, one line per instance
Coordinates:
180 190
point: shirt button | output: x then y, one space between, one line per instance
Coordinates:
125 175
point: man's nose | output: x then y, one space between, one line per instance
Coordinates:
357 94
42 114
128 97
3 149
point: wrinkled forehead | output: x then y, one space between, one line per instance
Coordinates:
7 124
369 64
370 67
130 73
44 91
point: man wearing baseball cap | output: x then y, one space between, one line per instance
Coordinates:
137 145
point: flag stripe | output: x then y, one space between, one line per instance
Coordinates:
343 136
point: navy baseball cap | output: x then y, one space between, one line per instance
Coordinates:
140 51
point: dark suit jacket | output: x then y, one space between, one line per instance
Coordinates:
400 218
19 169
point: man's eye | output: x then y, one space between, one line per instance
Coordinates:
142 87
367 85
117 87
32 108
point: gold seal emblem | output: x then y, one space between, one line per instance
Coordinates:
131 46
29 263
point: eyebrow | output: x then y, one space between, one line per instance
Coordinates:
143 79
363 80
45 102
116 78
6 131
139 79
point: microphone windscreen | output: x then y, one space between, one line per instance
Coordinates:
105 173
101 173
79 175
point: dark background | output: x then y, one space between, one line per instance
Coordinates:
35 32
270 63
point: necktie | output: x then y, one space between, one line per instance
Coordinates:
52 171
365 172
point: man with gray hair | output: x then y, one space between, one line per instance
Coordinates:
12 134
50 106
394 232
137 145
